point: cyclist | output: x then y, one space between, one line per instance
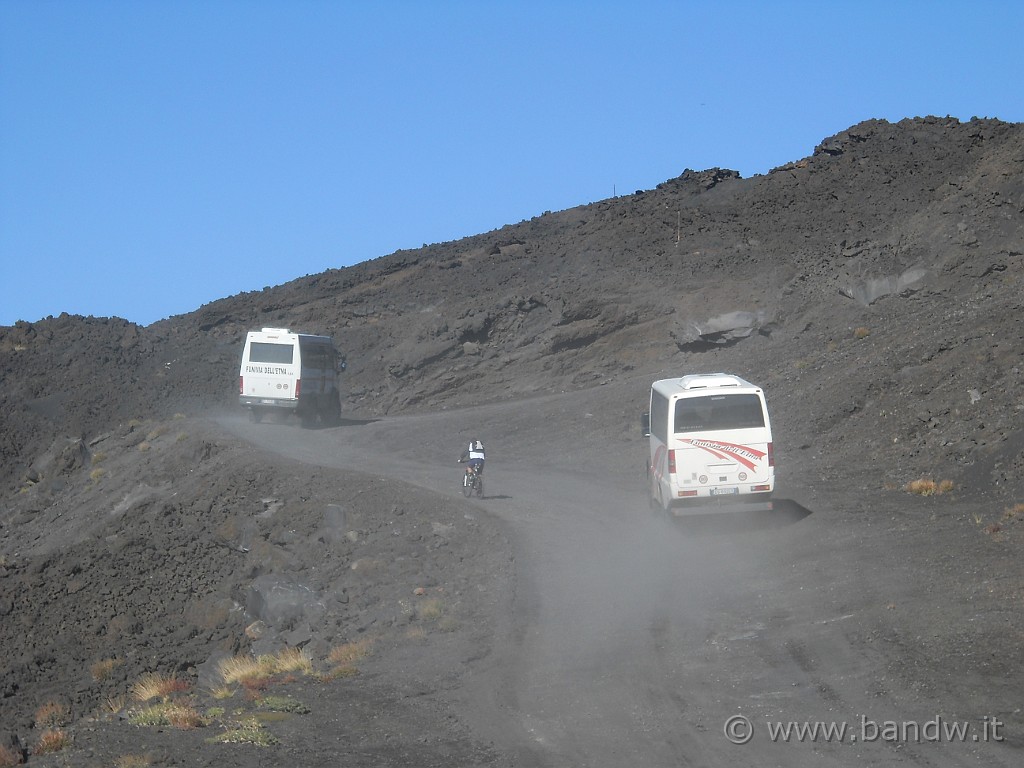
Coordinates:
474 456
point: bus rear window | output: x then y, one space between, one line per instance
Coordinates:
262 352
715 412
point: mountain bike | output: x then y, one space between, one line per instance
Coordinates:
473 482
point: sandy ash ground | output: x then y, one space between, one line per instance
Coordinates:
873 289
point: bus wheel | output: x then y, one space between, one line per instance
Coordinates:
255 415
332 415
665 505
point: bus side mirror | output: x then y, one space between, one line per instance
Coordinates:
645 424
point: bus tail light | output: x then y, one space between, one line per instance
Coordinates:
771 455
672 462
241 385
298 388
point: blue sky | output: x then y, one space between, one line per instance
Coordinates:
156 156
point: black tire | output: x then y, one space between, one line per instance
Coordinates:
255 415
467 488
308 419
480 487
333 414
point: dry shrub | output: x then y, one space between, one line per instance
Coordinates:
52 714
430 609
222 692
861 332
115 704
101 669
183 716
156 686
349 653
248 670
293 660
248 732
254 687
53 740
928 487
448 624
283 704
9 757
1013 512
238 669
339 673
993 528
97 473
176 714
133 761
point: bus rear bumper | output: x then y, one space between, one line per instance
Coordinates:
704 505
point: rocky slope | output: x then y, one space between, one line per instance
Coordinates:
883 270
873 289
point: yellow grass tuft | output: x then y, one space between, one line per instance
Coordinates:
101 669
293 660
1012 513
861 332
133 761
183 716
156 686
115 704
243 669
348 653
338 673
237 669
928 487
430 609
52 714
9 757
96 474
53 740
176 714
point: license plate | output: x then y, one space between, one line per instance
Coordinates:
723 491
267 402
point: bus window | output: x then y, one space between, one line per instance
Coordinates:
715 412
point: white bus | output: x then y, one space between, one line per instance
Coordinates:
285 372
710 444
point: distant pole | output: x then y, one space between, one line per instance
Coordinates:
677 227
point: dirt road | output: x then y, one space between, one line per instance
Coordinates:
633 640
